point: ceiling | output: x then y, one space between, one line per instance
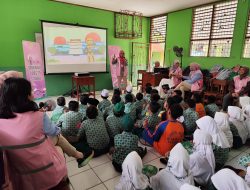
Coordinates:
146 7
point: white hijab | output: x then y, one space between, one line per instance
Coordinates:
222 120
246 113
203 145
208 124
186 186
132 177
227 179
176 173
244 100
236 117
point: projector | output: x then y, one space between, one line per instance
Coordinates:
81 74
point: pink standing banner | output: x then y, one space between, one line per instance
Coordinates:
113 50
34 67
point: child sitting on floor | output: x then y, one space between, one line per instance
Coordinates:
59 110
105 102
211 107
83 106
125 143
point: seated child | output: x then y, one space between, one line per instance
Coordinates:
190 118
156 98
199 107
70 122
167 133
237 125
246 113
132 177
58 111
125 143
166 92
114 121
95 132
109 110
220 143
129 106
83 106
211 107
148 94
139 105
95 102
129 90
176 173
105 102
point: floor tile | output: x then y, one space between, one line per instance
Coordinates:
73 169
84 180
155 153
233 153
234 162
106 171
157 163
98 187
149 157
110 184
68 159
71 187
98 161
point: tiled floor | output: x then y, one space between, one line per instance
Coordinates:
99 174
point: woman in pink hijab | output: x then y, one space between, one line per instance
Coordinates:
176 73
193 82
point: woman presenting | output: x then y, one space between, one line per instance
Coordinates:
121 69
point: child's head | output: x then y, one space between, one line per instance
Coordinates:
175 111
154 107
148 89
154 91
177 93
92 112
170 101
128 98
119 109
65 110
117 91
41 105
191 103
155 97
73 105
177 99
61 101
139 96
115 99
105 94
127 123
84 99
165 88
197 98
129 89
93 102
211 99
148 84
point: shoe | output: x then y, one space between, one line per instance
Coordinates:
164 161
85 160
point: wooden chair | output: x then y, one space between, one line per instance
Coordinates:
139 77
217 88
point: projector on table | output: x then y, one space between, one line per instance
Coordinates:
81 74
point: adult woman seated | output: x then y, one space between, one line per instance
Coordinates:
236 87
175 73
193 82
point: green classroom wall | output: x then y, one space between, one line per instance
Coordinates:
179 28
20 20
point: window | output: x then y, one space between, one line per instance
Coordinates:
158 29
157 40
212 31
246 53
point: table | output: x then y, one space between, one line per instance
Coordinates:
153 78
79 81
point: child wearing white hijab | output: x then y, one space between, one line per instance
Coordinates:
186 186
222 120
202 162
132 177
227 179
220 143
236 119
246 113
176 173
